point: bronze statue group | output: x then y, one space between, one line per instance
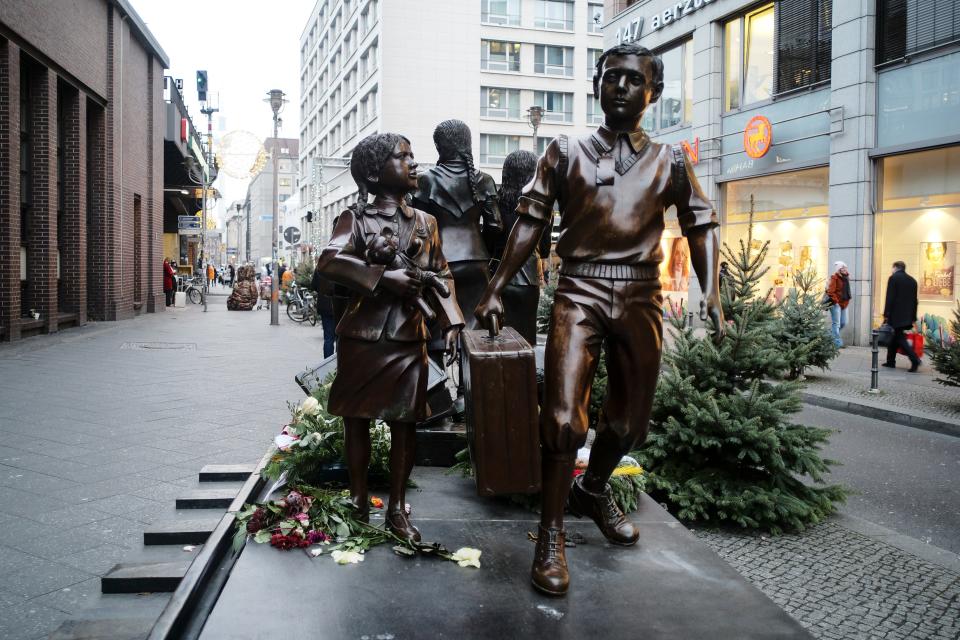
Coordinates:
411 269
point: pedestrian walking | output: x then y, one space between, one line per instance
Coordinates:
323 292
232 273
838 293
900 312
211 275
169 282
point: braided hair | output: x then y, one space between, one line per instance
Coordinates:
518 169
368 159
453 140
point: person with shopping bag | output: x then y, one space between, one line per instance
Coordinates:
900 312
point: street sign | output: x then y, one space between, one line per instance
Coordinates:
291 235
188 223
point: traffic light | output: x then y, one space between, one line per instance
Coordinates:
202 86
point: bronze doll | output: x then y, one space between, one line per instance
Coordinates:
522 296
612 187
381 347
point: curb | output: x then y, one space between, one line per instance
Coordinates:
925 551
945 427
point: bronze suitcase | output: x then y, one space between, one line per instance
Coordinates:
503 433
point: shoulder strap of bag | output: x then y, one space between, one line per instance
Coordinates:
678 173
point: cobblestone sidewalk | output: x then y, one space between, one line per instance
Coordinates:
912 393
840 584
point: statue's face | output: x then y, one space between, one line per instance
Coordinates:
399 172
626 87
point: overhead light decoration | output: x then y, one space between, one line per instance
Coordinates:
241 155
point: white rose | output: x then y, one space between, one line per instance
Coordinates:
346 557
310 406
467 557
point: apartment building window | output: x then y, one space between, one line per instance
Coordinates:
594 112
553 61
748 59
497 102
594 18
494 148
675 106
804 41
592 56
502 12
542 142
554 14
496 55
557 106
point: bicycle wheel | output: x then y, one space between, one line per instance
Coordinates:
295 311
312 315
194 294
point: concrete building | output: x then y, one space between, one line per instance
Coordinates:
81 165
369 65
840 120
260 195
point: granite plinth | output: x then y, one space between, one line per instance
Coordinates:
668 586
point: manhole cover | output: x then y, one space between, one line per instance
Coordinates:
151 346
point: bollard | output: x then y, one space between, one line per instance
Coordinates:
690 319
875 362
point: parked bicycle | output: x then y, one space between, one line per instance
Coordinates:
192 286
301 305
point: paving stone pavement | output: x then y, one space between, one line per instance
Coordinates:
840 584
98 435
914 393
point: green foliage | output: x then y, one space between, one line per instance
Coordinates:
802 331
944 350
722 446
303 273
545 306
320 444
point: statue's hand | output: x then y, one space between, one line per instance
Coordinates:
400 283
451 341
712 308
489 306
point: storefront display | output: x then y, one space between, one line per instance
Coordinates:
919 223
790 218
675 270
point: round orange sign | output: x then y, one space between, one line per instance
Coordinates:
757 137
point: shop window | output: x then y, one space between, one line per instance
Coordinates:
553 61
557 106
748 58
919 224
675 106
497 102
501 12
790 215
910 26
496 55
804 38
554 14
495 148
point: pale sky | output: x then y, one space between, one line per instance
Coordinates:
247 47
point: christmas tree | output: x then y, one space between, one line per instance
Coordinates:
723 447
802 330
944 349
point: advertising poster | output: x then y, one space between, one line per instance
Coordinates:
938 263
675 269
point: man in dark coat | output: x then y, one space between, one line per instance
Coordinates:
900 312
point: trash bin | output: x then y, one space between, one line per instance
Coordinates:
180 299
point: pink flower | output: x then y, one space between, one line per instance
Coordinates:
302 518
316 537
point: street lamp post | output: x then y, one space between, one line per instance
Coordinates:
207 111
239 209
276 100
535 117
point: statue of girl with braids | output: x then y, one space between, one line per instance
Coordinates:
464 202
522 295
381 339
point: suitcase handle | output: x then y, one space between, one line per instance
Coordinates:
494 326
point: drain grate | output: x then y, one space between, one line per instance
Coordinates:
158 346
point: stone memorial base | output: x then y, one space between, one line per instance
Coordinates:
669 586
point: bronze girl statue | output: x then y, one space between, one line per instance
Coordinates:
381 349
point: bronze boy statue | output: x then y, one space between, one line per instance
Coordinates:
381 349
613 187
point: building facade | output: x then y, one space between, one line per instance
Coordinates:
826 128
81 165
370 65
259 199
